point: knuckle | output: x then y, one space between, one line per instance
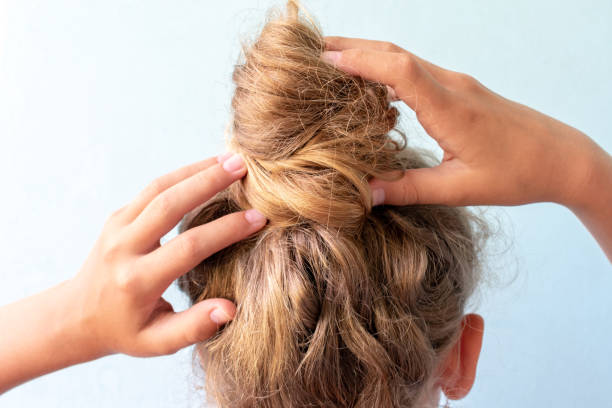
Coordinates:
355 54
466 82
117 213
162 204
111 252
114 218
216 177
191 337
165 348
156 186
390 47
409 193
151 347
189 246
407 65
126 280
171 350
212 180
200 334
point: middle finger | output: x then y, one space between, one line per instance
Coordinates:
158 269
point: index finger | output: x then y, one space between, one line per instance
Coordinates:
335 43
162 183
169 207
401 71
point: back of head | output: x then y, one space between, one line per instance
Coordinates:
338 303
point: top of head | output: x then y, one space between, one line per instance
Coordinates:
311 135
360 318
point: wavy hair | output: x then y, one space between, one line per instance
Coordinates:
339 304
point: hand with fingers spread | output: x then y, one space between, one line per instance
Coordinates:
114 304
496 151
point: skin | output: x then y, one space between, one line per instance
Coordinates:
114 304
496 152
458 371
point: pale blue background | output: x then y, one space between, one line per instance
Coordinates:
98 98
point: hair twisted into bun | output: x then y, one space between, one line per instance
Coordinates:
338 304
311 135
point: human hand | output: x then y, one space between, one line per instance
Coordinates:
114 303
119 288
496 151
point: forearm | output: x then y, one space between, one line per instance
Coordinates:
592 201
41 334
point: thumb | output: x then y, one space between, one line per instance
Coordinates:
442 184
198 323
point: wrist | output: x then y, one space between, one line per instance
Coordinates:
591 202
588 169
43 333
593 183
73 326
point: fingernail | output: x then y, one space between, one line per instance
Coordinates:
254 217
223 157
391 95
331 56
378 196
219 316
234 163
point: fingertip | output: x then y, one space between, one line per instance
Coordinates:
378 191
378 196
234 164
212 314
219 310
397 192
220 316
391 94
255 218
330 41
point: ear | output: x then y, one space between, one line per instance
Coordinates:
460 365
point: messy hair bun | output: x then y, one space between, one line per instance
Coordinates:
338 303
311 135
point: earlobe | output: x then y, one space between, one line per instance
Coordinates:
460 367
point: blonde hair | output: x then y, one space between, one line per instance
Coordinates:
338 303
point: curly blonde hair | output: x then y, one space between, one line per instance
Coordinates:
339 304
